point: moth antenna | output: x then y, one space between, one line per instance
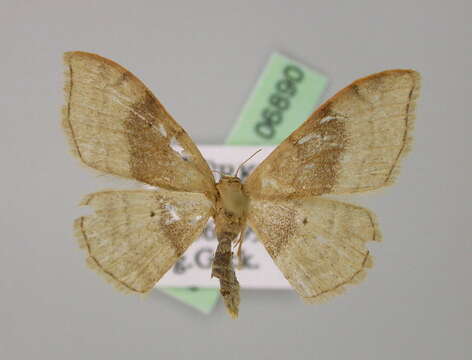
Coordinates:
245 161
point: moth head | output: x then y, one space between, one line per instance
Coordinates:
234 178
228 181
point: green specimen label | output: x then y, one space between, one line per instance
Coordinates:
285 95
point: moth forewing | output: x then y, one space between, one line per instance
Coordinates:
354 142
115 125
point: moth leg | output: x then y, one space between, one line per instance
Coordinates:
239 244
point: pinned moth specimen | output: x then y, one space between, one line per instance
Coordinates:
353 143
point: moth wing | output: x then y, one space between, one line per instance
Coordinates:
317 243
353 142
117 126
135 236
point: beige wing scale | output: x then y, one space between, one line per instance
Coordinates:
134 237
117 126
317 243
353 142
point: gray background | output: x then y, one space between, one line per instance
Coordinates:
202 58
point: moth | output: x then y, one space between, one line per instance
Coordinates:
353 143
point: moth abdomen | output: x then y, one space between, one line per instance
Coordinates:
222 269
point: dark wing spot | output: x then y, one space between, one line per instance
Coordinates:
152 214
305 221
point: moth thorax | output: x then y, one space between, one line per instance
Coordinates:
232 197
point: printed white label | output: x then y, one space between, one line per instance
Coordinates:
257 268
